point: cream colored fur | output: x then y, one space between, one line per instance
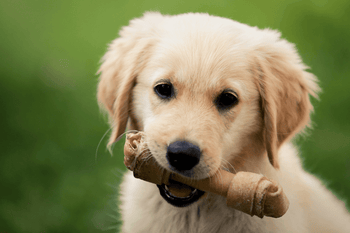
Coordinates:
202 55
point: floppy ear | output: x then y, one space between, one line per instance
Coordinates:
285 87
124 60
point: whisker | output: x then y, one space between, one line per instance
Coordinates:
111 146
126 132
227 162
219 177
98 146
118 173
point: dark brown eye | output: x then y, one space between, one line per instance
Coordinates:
164 90
226 100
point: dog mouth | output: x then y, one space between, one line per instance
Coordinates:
179 194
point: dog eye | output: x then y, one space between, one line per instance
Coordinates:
226 100
164 90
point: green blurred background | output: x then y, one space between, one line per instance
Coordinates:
50 124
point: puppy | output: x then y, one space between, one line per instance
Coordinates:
210 92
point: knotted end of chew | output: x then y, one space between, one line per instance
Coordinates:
138 159
254 194
133 147
276 203
241 193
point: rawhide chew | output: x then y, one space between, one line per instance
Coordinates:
248 192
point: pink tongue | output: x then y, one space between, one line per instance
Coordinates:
179 190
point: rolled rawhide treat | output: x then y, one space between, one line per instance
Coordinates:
248 192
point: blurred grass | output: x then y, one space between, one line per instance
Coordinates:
51 125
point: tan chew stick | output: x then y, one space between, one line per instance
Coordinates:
248 192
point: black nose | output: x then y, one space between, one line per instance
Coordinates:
183 155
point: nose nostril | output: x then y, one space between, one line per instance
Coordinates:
183 155
183 162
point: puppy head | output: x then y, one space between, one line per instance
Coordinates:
207 83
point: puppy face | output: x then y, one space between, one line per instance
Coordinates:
207 91
204 102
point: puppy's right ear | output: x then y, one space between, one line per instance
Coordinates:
124 60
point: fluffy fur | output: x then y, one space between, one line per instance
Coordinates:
201 56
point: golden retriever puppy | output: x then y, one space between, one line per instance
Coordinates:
213 93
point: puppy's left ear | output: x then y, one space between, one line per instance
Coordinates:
284 87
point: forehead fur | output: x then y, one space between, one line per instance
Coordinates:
202 51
